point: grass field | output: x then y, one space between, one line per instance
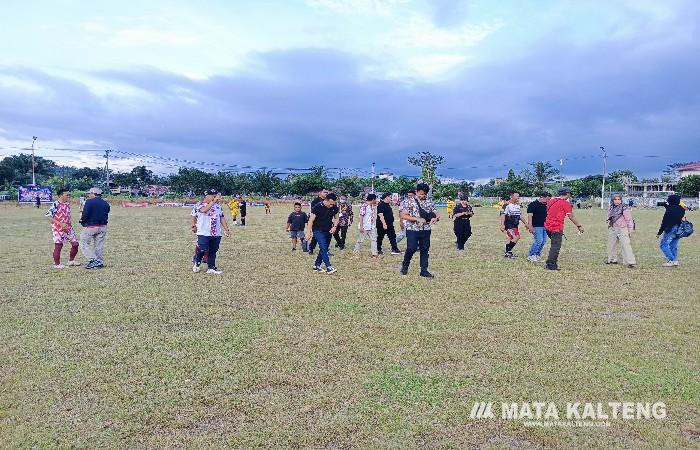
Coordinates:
144 353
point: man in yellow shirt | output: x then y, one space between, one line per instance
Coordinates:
233 206
450 207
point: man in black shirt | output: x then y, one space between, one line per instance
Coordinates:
461 217
296 222
536 215
385 224
322 224
243 209
321 196
667 235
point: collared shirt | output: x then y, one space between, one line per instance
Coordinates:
461 209
411 206
62 213
208 223
346 215
369 216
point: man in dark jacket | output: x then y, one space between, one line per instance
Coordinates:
668 238
94 221
385 224
321 197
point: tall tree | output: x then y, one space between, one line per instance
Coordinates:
541 174
17 169
689 186
428 164
263 181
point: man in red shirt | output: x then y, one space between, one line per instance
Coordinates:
62 229
558 209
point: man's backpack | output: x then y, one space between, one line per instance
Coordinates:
685 229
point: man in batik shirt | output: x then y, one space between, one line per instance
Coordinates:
210 221
420 215
62 229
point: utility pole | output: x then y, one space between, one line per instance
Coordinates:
605 174
107 152
372 178
34 138
561 170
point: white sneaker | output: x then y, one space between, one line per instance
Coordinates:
331 270
532 258
675 263
59 266
196 268
74 263
214 271
670 264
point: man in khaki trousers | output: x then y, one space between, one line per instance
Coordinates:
368 225
620 229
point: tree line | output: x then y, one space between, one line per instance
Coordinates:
16 170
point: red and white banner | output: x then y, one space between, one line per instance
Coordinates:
134 204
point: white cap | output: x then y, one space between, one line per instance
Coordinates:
96 191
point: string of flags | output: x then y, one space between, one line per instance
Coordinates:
177 163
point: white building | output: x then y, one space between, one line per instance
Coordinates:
689 169
386 176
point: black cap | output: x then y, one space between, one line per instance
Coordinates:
564 191
211 191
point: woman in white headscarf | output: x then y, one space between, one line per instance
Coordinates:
620 229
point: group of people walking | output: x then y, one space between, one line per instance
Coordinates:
331 217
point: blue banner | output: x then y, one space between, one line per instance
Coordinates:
28 194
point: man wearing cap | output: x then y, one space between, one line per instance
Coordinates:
210 222
558 209
94 221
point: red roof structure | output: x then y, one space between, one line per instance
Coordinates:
691 166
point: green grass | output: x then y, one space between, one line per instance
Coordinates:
147 354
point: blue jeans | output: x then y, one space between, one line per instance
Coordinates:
540 235
323 238
207 244
669 244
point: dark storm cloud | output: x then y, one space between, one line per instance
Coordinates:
299 108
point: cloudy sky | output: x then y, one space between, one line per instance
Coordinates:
345 83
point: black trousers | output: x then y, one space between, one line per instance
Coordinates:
390 232
556 238
339 236
463 230
417 241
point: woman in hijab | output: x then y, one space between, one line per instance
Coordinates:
620 229
461 215
667 231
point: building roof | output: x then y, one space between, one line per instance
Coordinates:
691 166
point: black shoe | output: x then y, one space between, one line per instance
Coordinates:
311 252
427 274
551 267
404 270
91 264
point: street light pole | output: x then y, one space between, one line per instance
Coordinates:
605 174
561 171
372 178
34 138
